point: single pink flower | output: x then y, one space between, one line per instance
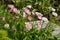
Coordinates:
33 12
39 24
11 10
24 15
39 15
26 10
28 26
29 18
15 10
11 6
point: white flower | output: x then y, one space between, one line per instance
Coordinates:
28 25
6 25
45 19
29 6
55 14
53 9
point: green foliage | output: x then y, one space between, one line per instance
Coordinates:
40 6
4 35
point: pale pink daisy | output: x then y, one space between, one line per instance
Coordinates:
26 10
29 18
33 12
10 10
39 15
39 24
24 15
11 6
15 10
28 26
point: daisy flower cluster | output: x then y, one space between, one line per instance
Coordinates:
27 13
13 9
31 15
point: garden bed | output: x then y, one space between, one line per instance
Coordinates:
29 20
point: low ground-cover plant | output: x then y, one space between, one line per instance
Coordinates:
16 15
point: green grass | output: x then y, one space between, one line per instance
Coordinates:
40 6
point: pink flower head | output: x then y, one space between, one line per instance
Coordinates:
11 10
39 24
26 10
33 12
11 6
39 15
29 18
16 16
24 15
15 10
28 25
29 6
